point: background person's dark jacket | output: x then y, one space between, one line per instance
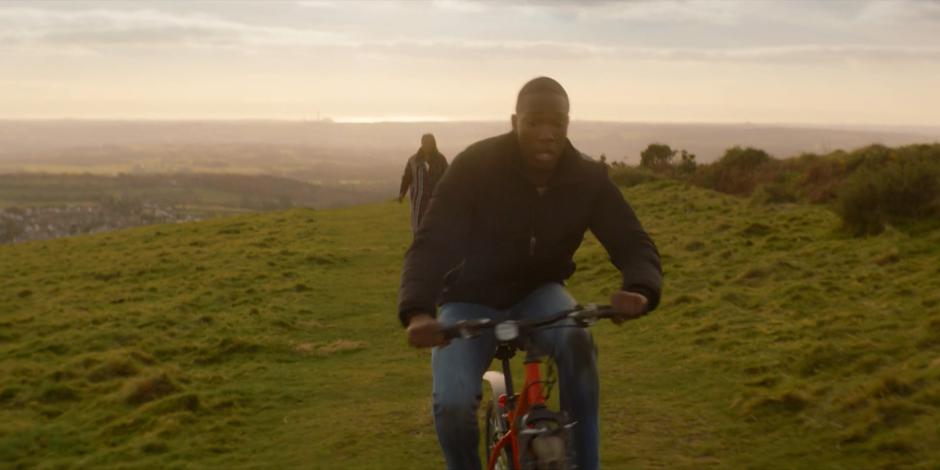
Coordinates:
497 239
437 165
421 180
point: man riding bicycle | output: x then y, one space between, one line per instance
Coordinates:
497 243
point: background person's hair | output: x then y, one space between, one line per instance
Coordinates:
540 85
429 138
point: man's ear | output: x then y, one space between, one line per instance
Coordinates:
514 120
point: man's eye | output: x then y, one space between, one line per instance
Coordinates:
545 122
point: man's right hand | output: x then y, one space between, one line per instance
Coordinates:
631 305
424 331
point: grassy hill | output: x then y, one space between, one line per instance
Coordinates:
270 341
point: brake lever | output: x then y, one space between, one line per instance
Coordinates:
467 329
585 320
466 333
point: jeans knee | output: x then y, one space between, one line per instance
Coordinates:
455 410
577 348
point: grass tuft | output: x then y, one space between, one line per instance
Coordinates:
341 346
148 389
788 402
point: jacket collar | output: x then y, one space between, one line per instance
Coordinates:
570 168
437 156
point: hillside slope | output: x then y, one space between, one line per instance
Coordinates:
270 341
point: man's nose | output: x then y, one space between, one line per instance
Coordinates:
545 133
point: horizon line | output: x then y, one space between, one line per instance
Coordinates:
440 120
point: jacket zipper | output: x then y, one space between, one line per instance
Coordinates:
533 241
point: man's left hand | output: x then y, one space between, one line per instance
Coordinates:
630 304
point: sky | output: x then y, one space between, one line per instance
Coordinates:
798 61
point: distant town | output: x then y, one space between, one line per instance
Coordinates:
21 224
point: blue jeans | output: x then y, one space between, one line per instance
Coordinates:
458 370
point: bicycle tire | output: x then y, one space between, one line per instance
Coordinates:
496 426
552 455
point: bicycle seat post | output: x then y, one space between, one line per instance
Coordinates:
505 352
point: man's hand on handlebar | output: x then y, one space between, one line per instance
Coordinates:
424 331
630 304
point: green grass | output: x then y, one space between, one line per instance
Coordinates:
271 341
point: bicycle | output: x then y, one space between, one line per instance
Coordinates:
521 432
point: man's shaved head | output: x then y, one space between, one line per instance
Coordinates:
540 85
541 125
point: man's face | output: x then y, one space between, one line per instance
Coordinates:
541 126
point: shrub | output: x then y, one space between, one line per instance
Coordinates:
873 156
740 171
782 189
657 157
902 186
747 158
821 175
687 164
628 176
859 205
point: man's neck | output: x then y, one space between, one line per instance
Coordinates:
539 178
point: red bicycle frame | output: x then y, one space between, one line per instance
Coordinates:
531 396
526 408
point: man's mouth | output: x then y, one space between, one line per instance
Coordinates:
545 156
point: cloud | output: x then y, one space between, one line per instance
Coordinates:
147 28
552 50
463 6
664 11
77 31
318 4
796 54
647 11
900 12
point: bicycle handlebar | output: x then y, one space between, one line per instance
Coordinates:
582 315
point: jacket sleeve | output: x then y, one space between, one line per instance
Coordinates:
439 244
631 249
405 180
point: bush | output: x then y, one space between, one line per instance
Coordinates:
747 158
901 187
873 156
687 164
740 171
782 189
822 175
657 157
628 176
859 205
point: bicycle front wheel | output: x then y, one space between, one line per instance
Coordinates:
496 427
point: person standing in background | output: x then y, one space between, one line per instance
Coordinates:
422 172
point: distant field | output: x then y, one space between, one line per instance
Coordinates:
381 148
202 193
270 341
